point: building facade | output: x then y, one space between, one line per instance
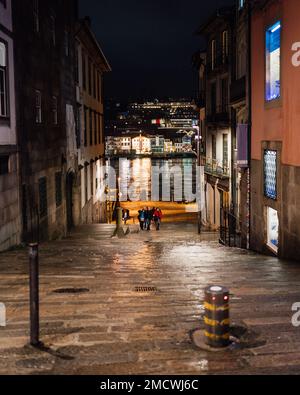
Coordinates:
10 223
240 103
216 126
275 160
141 145
91 65
45 99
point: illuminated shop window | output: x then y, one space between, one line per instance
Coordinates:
273 40
272 229
270 174
241 4
3 81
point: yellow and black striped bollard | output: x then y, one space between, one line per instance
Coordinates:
216 318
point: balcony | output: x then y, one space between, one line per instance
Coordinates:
220 64
217 168
238 90
219 114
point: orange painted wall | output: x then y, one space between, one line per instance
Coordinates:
281 123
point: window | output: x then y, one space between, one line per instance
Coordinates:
77 63
98 85
54 110
225 151
86 184
36 16
270 174
94 82
90 76
58 189
3 81
52 30
100 88
83 70
95 128
92 178
67 43
225 49
4 168
91 127
43 203
213 54
101 130
214 147
78 126
38 107
273 42
85 125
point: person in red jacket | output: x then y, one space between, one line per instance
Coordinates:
157 216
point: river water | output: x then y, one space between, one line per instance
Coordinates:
146 179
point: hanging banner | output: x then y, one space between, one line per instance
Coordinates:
242 146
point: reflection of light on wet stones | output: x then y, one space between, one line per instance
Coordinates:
240 338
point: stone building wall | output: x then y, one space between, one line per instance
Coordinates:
287 205
10 206
45 66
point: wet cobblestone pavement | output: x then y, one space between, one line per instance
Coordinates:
110 328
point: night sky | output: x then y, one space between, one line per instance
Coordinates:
149 44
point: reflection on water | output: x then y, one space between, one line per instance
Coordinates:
147 179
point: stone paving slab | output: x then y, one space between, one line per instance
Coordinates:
112 329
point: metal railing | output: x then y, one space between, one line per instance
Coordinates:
229 229
218 114
215 167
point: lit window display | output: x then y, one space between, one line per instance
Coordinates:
273 41
273 229
270 174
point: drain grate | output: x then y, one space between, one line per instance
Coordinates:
145 289
71 291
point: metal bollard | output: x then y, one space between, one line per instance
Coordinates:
216 319
119 217
34 294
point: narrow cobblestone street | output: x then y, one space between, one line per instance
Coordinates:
114 329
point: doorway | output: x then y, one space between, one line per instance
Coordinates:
272 229
69 200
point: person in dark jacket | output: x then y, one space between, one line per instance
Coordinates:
141 218
149 218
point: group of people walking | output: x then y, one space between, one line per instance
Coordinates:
148 216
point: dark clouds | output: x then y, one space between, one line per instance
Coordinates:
149 43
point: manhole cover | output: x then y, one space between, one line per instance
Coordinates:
145 289
71 291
